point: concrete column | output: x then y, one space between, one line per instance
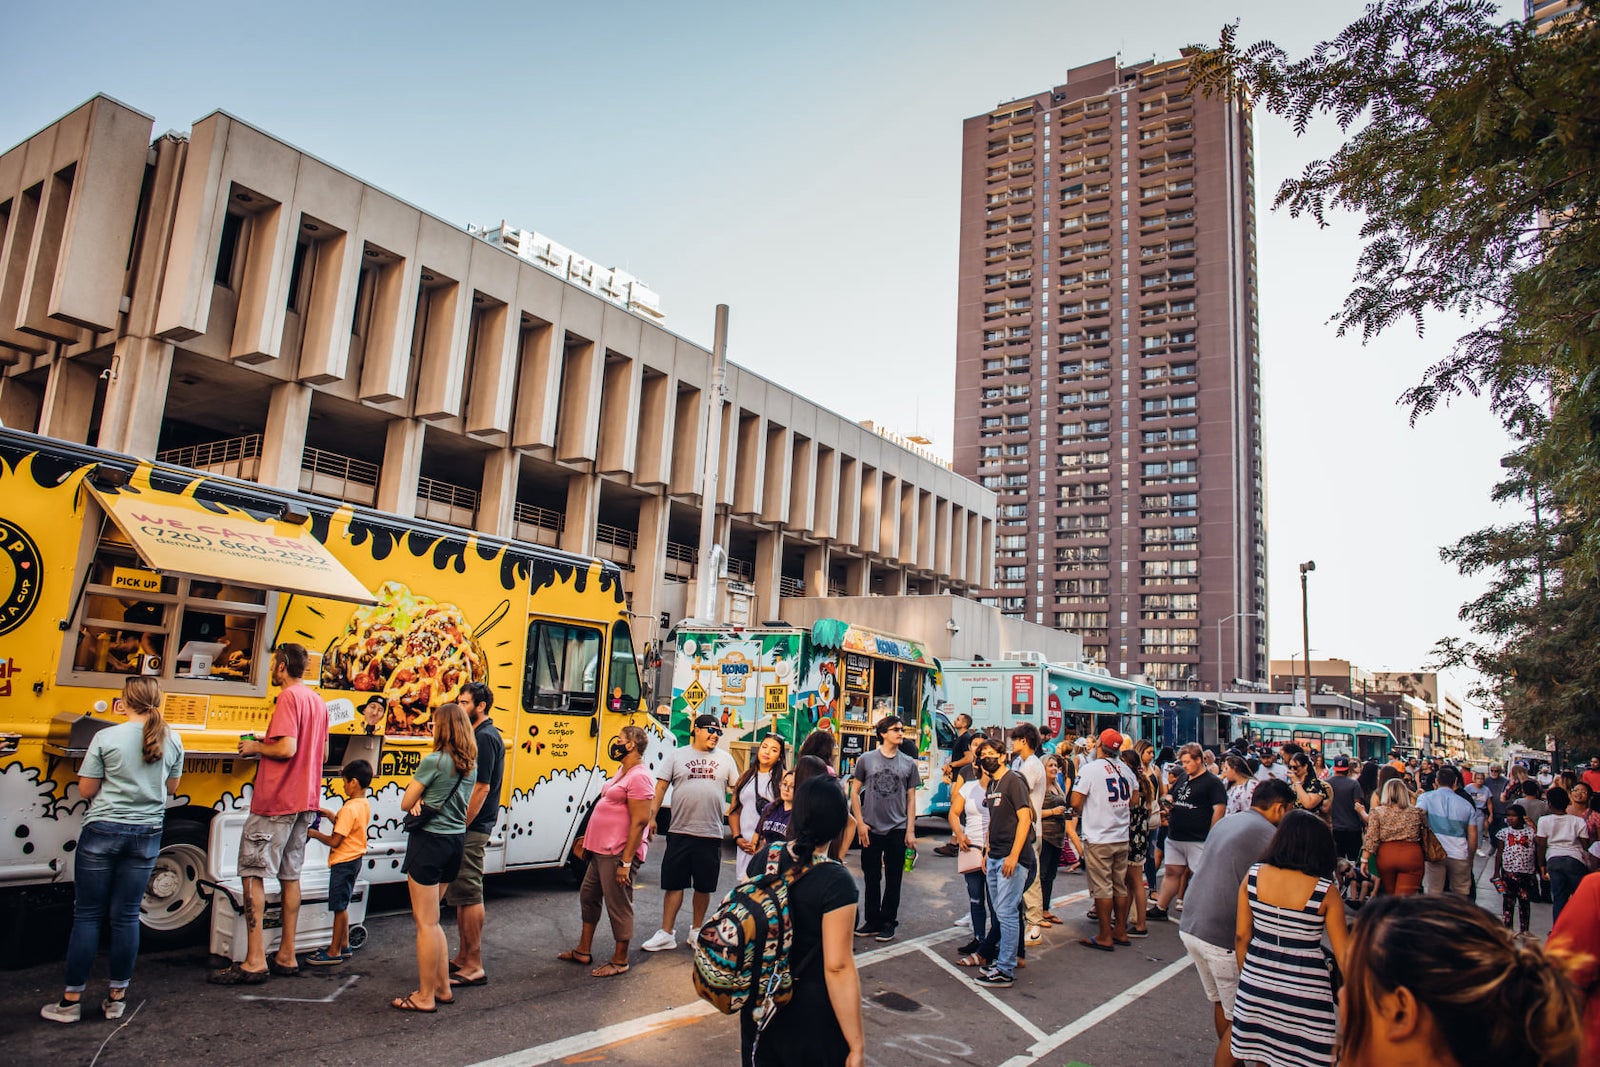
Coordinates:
816 573
283 442
402 466
769 570
68 401
649 563
582 514
135 398
858 578
497 500
894 582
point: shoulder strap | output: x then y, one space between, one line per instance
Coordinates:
1314 902
1250 879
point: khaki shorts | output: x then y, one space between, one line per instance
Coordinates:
274 846
466 888
1219 972
1107 867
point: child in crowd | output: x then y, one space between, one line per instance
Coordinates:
774 825
347 850
1514 867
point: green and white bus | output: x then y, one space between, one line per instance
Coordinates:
1359 739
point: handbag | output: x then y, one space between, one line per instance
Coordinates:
969 860
1432 850
425 813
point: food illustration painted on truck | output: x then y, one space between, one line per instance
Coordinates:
117 567
414 651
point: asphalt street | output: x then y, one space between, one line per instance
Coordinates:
1070 1005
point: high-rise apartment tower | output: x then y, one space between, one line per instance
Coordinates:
1107 371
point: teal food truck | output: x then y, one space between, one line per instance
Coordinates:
793 680
1066 700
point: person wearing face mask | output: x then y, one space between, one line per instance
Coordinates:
613 844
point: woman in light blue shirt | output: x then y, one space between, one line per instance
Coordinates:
126 776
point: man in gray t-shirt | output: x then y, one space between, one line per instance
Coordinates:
883 790
1211 903
700 774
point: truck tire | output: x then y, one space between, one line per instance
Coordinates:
176 909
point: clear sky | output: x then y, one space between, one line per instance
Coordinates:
801 164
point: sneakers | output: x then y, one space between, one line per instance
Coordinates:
62 1012
994 977
323 958
1138 933
947 850
1034 936
969 948
885 932
661 941
113 1009
866 930
1155 915
965 920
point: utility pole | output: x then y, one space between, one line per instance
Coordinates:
709 562
1305 625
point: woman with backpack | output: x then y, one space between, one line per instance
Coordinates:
821 1024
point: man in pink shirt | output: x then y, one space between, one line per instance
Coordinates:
283 802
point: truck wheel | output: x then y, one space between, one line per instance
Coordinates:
176 909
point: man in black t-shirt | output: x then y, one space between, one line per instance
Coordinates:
1011 859
1198 800
1347 808
483 811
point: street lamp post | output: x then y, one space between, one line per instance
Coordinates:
1236 615
1305 625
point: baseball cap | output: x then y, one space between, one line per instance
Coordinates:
708 722
1110 739
1342 763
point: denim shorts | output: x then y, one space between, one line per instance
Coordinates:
341 883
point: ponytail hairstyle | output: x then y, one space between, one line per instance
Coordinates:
143 695
1493 1000
819 814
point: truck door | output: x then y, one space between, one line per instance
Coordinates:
556 740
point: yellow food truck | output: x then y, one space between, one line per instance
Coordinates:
114 567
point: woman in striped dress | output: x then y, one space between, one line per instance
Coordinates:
1285 1014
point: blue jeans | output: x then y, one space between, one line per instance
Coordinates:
1006 895
114 861
985 925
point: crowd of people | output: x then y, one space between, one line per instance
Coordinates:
1263 856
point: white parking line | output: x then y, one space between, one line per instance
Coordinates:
552 1051
1046 1045
965 978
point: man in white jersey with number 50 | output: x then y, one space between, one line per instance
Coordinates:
1101 794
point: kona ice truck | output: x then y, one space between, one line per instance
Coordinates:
791 681
1067 700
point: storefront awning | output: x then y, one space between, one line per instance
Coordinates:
178 535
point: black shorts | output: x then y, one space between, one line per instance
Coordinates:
341 883
691 859
433 858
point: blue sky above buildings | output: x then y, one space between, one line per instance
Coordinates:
801 164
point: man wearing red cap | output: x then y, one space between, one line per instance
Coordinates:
1102 793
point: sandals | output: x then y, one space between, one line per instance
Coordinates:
276 968
323 958
1089 942
405 1003
572 955
1051 920
972 959
237 975
609 970
457 979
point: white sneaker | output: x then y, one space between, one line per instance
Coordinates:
113 1008
1034 936
965 920
661 941
62 1013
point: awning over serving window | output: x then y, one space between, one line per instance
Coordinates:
177 535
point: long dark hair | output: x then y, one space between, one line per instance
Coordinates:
1303 843
819 814
774 777
818 743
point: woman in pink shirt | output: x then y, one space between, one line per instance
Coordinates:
613 843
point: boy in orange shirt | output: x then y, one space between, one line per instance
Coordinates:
347 849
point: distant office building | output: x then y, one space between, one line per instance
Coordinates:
1107 369
1546 15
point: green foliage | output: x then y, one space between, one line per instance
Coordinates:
1472 157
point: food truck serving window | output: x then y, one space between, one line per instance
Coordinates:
563 672
134 621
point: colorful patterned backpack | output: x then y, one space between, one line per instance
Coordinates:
742 952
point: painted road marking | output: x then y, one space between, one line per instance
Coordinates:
329 999
993 1001
589 1041
1105 1011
